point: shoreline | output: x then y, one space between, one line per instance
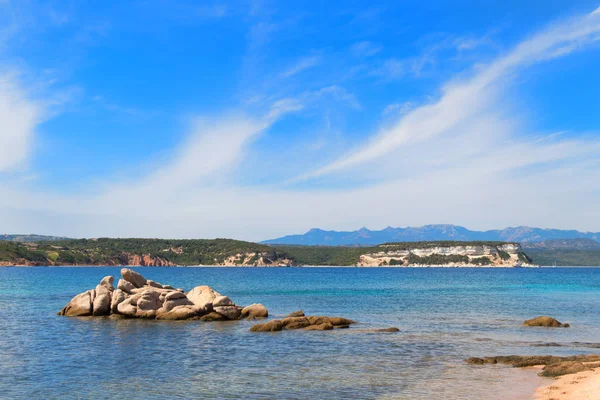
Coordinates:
583 385
302 266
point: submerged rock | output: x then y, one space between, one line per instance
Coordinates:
298 313
271 326
311 323
545 321
554 365
137 297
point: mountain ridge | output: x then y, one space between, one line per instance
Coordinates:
366 237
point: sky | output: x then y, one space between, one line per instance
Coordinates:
254 119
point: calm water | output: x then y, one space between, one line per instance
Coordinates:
444 315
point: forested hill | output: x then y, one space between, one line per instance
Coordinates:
164 252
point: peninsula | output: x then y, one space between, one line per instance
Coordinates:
228 252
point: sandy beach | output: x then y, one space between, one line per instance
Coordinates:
580 386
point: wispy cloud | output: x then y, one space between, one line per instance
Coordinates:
19 116
364 49
301 65
464 100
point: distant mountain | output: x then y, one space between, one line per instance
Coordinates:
366 237
30 238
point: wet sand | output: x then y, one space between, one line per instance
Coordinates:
580 386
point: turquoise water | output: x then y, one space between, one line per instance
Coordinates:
444 316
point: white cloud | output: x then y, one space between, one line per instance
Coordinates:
463 159
301 65
18 118
463 100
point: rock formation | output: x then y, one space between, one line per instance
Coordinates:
545 321
138 297
307 323
553 365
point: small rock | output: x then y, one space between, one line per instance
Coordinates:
222 301
213 316
231 312
563 368
271 326
174 296
255 311
107 282
298 313
387 330
321 327
545 321
154 284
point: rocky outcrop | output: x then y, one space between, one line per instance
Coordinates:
553 365
464 255
545 321
146 260
312 323
255 259
138 297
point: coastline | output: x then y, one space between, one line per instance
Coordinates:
583 385
293 266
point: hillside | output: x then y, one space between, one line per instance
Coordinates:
160 252
366 237
30 238
143 252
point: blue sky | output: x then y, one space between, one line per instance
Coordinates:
254 119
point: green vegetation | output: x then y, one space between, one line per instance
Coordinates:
324 255
117 251
437 259
565 258
107 251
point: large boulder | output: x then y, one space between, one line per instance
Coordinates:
255 311
101 304
80 305
117 298
545 321
133 277
125 286
148 303
202 295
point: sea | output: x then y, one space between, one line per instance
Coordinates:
445 315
